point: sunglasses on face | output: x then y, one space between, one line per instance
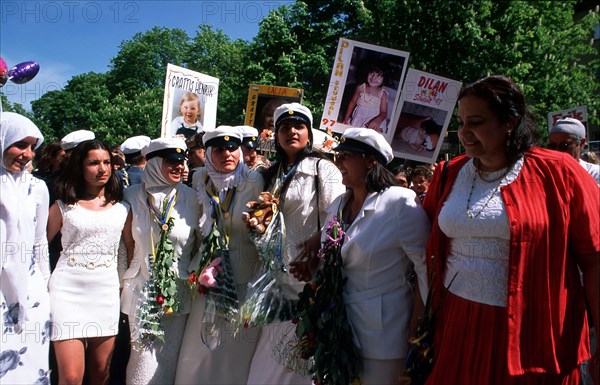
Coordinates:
342 156
563 146
173 162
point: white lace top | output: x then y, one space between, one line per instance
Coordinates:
479 244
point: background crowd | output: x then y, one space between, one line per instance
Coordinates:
505 239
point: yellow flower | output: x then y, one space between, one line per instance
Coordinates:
169 310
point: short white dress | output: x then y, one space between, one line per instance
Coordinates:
84 287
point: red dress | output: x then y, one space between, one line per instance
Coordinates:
542 334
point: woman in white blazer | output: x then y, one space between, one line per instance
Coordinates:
386 228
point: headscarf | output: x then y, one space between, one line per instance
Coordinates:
16 226
155 183
222 181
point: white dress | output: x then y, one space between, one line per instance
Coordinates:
230 363
367 107
84 287
24 302
302 213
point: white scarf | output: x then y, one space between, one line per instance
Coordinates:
222 182
156 184
17 229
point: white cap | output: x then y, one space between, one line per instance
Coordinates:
133 145
168 148
293 111
569 126
71 140
223 136
366 141
250 136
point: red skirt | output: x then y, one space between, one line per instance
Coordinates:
471 345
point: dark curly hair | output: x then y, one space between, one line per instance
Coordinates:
70 186
507 101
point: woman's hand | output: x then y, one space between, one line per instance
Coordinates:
303 267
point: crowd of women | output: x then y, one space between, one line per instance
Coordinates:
506 243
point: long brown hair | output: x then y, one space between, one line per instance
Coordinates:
70 186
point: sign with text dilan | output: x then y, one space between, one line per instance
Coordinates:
424 113
364 87
189 104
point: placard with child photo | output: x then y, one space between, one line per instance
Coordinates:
190 103
364 87
425 111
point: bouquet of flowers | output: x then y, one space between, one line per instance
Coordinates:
265 300
214 279
323 329
160 289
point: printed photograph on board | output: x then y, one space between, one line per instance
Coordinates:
190 103
425 111
262 102
364 87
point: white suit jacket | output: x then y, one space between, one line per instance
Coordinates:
391 229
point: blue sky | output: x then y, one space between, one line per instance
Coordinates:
68 38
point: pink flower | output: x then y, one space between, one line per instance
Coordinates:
209 274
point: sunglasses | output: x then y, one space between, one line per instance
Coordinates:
173 162
343 155
563 146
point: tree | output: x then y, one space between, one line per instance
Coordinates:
537 43
142 61
215 54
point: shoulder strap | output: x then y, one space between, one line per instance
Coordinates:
317 194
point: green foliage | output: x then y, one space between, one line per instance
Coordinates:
537 43
142 61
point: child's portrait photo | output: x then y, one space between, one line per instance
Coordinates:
371 88
418 131
189 104
189 119
425 109
364 88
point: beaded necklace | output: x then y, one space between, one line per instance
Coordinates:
470 213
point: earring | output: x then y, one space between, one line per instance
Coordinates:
508 139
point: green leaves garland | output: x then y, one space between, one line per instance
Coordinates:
322 327
160 289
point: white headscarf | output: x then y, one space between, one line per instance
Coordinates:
155 183
222 182
16 226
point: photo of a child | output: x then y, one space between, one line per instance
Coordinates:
371 88
423 138
188 123
369 104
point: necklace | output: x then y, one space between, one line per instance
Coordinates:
480 173
470 213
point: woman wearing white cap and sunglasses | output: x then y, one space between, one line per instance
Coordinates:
163 229
214 351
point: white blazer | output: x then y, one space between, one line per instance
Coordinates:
390 230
